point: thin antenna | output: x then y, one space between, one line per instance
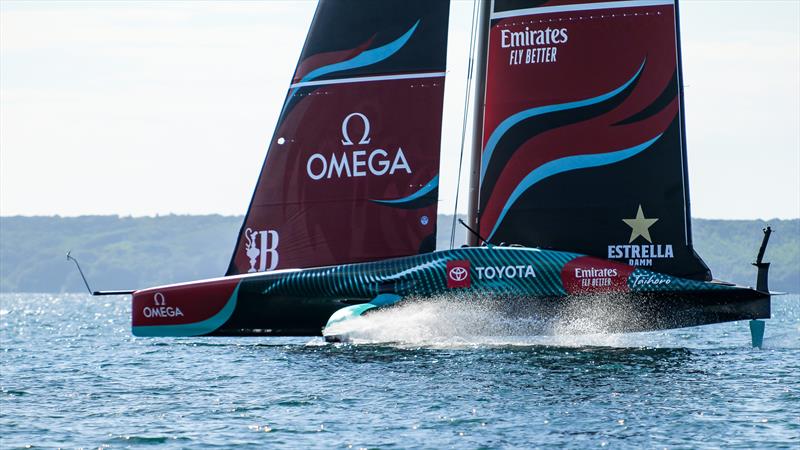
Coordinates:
70 258
91 292
470 68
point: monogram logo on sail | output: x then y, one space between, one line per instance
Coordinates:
262 249
640 255
354 160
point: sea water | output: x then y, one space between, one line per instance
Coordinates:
420 377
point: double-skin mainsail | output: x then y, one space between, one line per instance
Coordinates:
352 170
584 146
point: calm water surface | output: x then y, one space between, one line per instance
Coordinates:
73 376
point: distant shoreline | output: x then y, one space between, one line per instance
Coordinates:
241 216
125 252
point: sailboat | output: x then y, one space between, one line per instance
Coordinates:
578 179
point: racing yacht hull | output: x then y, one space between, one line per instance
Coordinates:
521 281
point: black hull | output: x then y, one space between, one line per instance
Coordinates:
529 284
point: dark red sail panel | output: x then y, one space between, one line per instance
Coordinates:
583 132
351 173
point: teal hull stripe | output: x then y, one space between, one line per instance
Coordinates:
553 278
425 275
506 285
523 284
567 164
192 329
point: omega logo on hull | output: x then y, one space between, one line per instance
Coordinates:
161 309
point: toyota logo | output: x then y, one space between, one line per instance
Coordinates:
458 274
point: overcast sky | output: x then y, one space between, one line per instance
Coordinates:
156 108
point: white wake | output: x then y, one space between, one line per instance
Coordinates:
466 321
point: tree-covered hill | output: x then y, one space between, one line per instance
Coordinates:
115 252
124 252
729 246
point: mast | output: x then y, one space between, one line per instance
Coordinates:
682 112
484 16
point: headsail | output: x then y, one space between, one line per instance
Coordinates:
351 173
583 144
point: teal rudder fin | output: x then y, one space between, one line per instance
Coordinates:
757 332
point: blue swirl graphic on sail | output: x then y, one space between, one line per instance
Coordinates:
567 164
363 59
514 119
423 191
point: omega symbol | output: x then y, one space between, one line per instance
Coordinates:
365 138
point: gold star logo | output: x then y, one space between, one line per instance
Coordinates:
640 226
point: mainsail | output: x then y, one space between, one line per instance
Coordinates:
351 173
583 139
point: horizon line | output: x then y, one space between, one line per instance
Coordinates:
172 214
